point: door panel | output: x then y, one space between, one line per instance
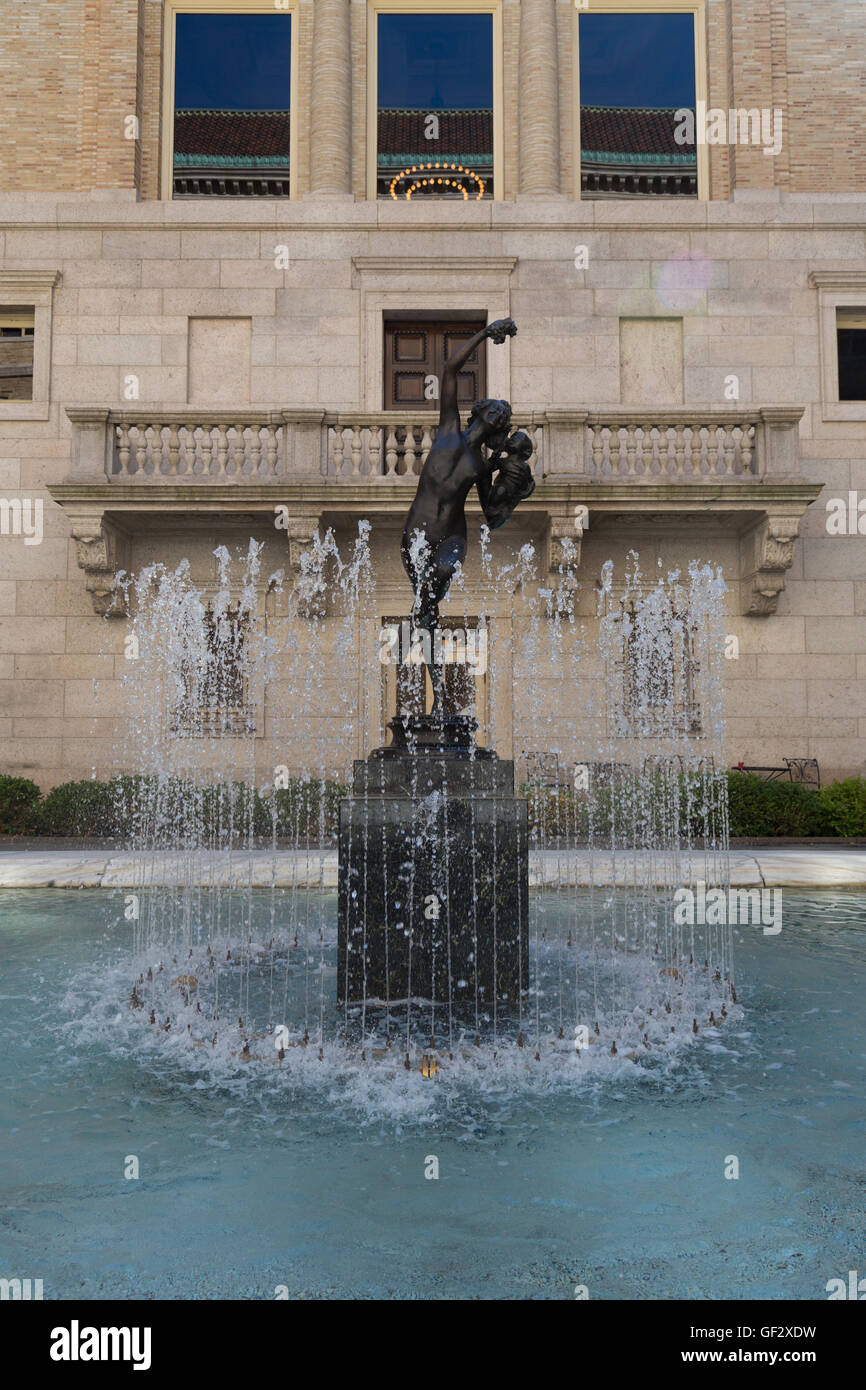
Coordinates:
417 352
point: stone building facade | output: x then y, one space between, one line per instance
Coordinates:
198 361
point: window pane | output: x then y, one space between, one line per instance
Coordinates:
232 100
435 120
851 339
636 72
16 354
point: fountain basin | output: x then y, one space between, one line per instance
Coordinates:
614 1179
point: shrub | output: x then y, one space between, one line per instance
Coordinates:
758 808
625 812
844 807
644 812
172 813
81 808
746 803
19 803
308 808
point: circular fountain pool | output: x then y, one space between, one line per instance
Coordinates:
612 1175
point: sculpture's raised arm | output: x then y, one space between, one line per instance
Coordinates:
449 410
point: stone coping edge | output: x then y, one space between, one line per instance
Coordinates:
793 868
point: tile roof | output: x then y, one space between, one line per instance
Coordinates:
231 136
630 130
401 132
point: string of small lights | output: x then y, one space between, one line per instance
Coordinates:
435 179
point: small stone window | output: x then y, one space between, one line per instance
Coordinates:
17 328
659 676
851 349
842 339
26 315
215 701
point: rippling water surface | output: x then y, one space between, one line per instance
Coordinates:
255 1176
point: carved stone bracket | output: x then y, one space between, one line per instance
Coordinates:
767 553
561 556
300 529
100 549
563 537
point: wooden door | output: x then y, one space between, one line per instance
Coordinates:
415 357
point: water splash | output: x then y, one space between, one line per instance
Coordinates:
619 739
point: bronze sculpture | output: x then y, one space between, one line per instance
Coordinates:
433 881
434 537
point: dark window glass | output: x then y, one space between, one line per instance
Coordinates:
852 364
636 72
231 105
214 678
435 117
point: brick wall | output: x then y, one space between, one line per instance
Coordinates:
68 72
73 70
827 95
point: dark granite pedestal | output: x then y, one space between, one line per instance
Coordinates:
433 871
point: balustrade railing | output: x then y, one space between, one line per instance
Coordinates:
691 446
203 448
675 444
396 446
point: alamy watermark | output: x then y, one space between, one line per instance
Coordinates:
747 907
77 1343
22 516
846 518
855 1289
20 1289
715 126
401 644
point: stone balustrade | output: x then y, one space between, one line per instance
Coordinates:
690 445
676 444
391 445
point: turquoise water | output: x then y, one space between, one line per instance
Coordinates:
318 1188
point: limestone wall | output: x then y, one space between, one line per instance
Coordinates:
734 278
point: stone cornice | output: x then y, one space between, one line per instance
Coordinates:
30 279
314 493
400 265
855 278
368 217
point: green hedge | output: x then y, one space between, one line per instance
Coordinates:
625 813
756 809
173 812
844 805
19 802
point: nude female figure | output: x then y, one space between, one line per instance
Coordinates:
434 537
